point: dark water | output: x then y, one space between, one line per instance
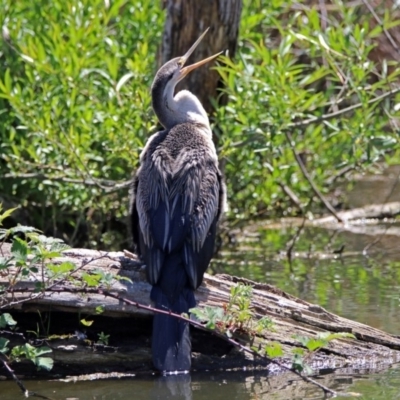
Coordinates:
231 386
364 287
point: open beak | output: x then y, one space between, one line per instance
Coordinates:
185 70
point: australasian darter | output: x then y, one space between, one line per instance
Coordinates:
178 197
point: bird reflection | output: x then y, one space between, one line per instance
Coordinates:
172 387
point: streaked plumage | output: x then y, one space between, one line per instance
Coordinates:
177 200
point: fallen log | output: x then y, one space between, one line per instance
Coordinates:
76 352
378 211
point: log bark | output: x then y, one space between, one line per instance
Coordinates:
185 21
74 355
378 211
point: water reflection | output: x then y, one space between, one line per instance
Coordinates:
220 386
214 386
172 387
361 287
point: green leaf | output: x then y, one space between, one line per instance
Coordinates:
6 214
123 80
22 229
314 344
99 309
5 262
60 269
208 313
19 250
3 345
274 349
42 350
86 322
44 362
210 325
265 323
90 279
7 319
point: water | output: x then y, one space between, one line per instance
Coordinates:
232 386
365 288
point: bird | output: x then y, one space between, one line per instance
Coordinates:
178 197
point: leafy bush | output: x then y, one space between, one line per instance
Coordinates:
75 105
75 108
289 71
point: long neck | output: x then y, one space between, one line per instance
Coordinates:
172 110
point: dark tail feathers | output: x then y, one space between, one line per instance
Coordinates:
171 346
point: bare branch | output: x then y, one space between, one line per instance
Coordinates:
195 323
326 117
24 390
108 186
309 179
379 21
292 196
37 295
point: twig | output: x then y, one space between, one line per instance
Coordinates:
24 390
49 288
342 172
105 184
197 324
326 117
220 335
329 7
296 237
379 21
292 196
309 179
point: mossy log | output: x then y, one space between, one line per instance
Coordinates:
76 352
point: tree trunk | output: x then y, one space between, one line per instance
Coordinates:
186 20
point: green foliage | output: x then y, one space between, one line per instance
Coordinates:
321 340
7 320
33 354
103 338
210 315
294 66
264 323
299 362
3 345
236 315
273 350
34 257
312 345
86 322
5 214
75 107
99 310
25 351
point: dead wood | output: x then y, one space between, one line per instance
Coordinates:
373 348
378 211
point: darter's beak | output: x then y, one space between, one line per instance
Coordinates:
185 70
